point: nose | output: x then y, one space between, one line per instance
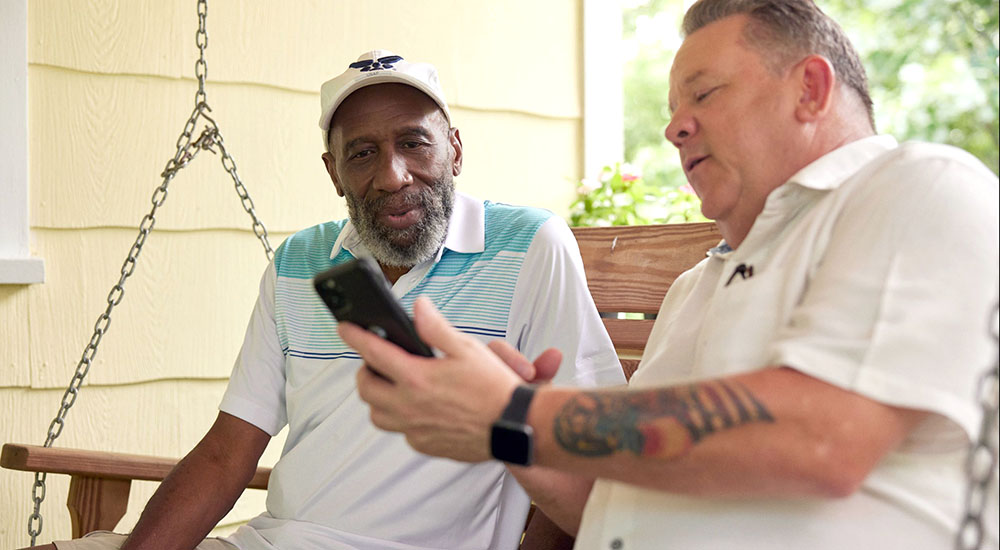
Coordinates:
392 173
681 127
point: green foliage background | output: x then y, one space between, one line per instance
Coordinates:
933 69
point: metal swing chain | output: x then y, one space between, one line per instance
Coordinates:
186 152
982 459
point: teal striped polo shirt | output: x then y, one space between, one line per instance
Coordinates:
473 290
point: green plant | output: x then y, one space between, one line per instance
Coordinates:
620 196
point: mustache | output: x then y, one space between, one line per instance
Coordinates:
409 246
399 199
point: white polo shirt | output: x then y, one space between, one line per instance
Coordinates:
875 268
503 272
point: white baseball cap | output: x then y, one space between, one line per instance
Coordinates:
377 67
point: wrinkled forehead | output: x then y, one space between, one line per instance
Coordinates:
715 48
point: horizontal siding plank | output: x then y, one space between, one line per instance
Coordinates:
114 36
291 44
165 418
183 313
520 159
99 144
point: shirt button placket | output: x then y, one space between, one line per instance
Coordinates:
616 544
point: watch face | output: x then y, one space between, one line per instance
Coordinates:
511 442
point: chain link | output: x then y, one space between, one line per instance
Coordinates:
187 149
981 463
258 227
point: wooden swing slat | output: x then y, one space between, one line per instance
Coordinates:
99 464
99 481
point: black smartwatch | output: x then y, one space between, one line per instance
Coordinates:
511 439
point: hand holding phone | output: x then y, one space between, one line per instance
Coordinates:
358 292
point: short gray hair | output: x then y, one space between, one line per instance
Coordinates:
784 32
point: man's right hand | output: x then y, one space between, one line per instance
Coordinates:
201 488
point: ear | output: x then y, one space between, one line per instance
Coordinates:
817 82
331 168
455 141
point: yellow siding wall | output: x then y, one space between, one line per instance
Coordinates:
110 87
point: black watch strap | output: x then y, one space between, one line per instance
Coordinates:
511 440
517 409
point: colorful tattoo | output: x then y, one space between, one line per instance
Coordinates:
663 423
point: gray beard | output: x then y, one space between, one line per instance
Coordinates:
410 246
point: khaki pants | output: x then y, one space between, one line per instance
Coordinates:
106 540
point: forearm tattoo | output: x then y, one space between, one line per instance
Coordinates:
663 422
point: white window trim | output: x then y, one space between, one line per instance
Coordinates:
603 88
16 264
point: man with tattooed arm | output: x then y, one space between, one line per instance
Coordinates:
811 383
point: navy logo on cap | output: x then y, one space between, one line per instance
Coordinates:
379 64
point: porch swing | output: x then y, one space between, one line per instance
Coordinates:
100 481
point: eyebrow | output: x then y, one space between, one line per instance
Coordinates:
409 130
687 81
419 131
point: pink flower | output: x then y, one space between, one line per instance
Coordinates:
629 172
687 188
588 186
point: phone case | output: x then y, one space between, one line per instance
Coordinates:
358 292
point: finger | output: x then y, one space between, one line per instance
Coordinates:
547 364
386 358
435 330
382 399
385 421
517 362
375 389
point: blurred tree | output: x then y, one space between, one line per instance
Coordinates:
650 32
933 66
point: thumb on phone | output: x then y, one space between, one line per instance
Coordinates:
435 330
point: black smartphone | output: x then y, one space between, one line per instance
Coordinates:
358 292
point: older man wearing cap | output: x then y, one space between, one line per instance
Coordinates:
496 271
